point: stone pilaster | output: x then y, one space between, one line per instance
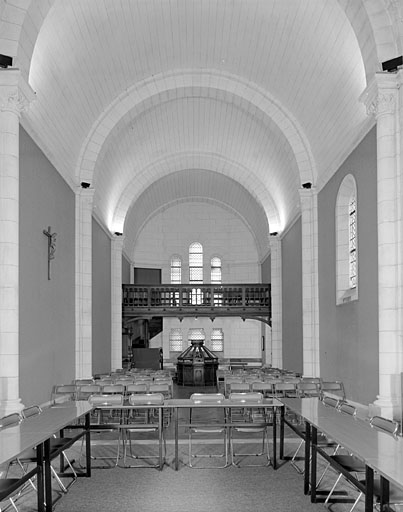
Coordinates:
15 96
116 301
310 290
276 305
84 200
381 99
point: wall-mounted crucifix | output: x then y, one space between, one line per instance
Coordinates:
51 246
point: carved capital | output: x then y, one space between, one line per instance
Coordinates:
382 104
15 94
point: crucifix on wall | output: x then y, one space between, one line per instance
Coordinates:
51 246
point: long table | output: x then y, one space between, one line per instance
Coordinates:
268 403
181 403
36 432
380 451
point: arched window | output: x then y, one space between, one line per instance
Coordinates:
175 340
196 271
217 340
346 241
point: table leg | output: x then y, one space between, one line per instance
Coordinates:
274 438
88 444
282 413
313 443
39 478
48 478
307 456
160 435
176 419
369 489
384 502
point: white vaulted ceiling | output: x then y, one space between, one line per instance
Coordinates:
238 102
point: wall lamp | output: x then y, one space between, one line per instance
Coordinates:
85 184
118 234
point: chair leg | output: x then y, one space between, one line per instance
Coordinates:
265 451
293 460
210 456
333 488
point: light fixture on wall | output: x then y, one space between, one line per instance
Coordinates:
85 184
307 185
274 233
117 233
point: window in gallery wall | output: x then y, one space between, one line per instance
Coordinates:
196 271
196 335
346 216
216 279
175 340
217 340
176 277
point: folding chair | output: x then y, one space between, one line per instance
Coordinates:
252 421
308 389
56 446
100 426
211 424
66 392
9 487
143 421
334 387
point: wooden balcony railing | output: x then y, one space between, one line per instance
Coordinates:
245 300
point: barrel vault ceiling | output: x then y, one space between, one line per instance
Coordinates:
236 102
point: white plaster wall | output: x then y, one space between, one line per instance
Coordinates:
221 233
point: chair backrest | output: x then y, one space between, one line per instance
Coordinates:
316 380
105 400
113 389
207 398
65 390
385 424
83 382
285 388
335 387
308 389
11 420
33 410
331 401
137 387
163 387
262 387
84 392
245 398
347 408
238 387
146 399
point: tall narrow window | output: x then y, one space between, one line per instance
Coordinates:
176 278
347 241
175 340
217 340
176 270
196 271
352 213
216 280
215 270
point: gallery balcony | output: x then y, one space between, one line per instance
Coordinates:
238 300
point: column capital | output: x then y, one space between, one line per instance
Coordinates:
306 195
15 94
380 96
118 241
86 195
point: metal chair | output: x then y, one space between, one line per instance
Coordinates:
66 392
334 387
9 487
56 446
252 421
144 421
102 421
209 421
308 389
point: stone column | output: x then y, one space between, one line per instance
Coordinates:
15 96
381 99
310 290
276 305
84 200
116 301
